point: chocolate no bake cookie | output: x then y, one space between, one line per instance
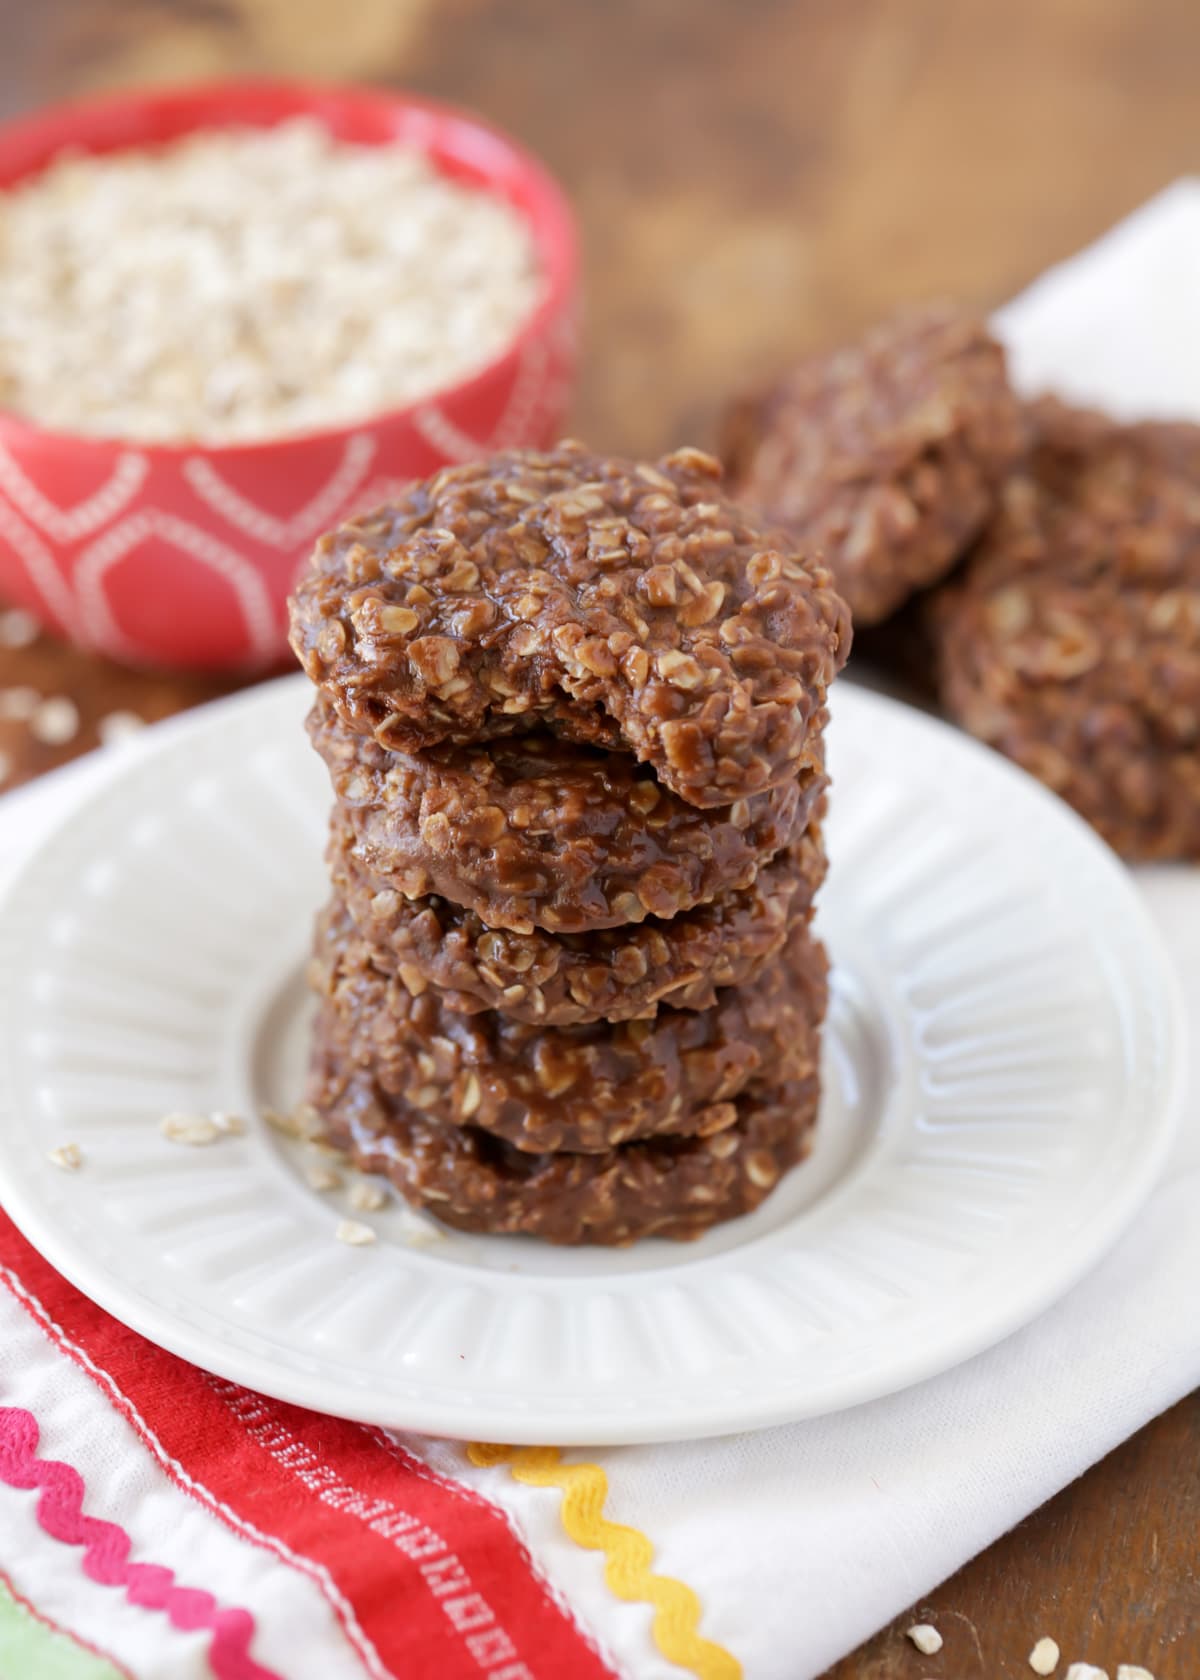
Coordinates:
583 1088
624 606
1072 640
669 1187
883 458
532 831
615 974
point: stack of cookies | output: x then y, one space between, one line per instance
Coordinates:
572 709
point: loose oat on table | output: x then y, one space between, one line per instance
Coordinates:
114 727
884 457
68 1156
1131 1671
531 830
926 1638
1085 1671
584 1088
617 604
1071 641
55 721
245 283
17 705
354 1233
1043 1659
228 1124
18 628
193 1129
561 979
673 1187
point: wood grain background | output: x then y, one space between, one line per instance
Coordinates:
755 177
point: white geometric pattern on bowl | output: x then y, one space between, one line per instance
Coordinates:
1001 1066
86 566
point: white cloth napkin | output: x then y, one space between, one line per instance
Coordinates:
801 1541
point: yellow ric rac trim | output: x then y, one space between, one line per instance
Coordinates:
627 1555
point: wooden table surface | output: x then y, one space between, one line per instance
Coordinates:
755 177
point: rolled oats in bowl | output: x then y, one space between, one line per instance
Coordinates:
243 284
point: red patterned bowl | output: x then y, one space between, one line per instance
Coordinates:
183 555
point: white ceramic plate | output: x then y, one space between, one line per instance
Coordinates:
1001 1069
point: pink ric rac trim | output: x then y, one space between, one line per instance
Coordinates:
106 1552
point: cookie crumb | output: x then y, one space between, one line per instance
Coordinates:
927 1639
1131 1671
55 721
1086 1671
68 1156
1043 1659
353 1232
192 1129
319 1176
118 726
18 628
367 1196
